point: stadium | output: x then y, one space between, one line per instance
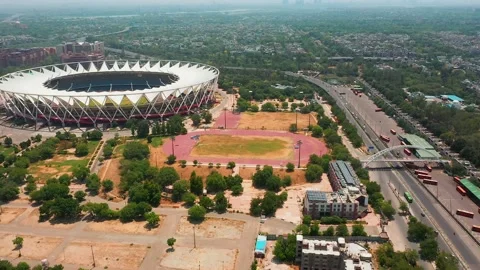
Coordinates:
107 92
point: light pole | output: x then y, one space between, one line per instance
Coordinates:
299 143
173 145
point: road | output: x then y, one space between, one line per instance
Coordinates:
460 244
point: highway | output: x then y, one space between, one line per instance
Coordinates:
460 244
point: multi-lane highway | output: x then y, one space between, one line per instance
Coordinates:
459 243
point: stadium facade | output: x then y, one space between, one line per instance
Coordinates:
90 93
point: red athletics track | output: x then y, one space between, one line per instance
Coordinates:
184 145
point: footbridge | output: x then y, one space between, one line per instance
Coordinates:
378 157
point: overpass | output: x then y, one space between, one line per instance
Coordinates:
377 156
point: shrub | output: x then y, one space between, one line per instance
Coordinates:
290 167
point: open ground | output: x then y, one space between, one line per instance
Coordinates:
274 121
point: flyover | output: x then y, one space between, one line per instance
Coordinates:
376 157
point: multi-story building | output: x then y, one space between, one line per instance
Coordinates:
23 57
344 203
342 175
81 51
314 254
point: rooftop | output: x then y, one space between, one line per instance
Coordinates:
317 196
471 187
415 140
345 173
452 98
261 244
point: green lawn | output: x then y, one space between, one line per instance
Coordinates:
157 141
73 163
91 146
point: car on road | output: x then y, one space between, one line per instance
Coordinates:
422 214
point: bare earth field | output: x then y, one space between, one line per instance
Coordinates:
298 176
115 226
9 214
212 228
242 203
273 121
107 255
207 258
243 146
32 220
34 247
111 170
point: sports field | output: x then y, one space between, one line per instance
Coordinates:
243 146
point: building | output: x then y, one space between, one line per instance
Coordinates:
23 57
346 203
411 139
81 51
342 175
452 98
260 246
315 254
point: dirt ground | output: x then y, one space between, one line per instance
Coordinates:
34 247
111 170
115 226
242 203
298 176
42 173
212 259
107 255
32 220
212 228
269 263
273 121
8 214
243 147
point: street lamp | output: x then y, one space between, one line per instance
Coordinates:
173 147
299 143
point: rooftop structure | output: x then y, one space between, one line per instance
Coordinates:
411 139
452 98
472 190
315 254
348 203
342 175
260 246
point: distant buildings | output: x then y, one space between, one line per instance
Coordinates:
23 57
81 51
313 254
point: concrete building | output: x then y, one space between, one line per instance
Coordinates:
81 51
315 254
345 203
342 175
23 57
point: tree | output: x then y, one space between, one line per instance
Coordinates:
64 208
136 150
80 173
197 213
293 128
171 159
317 132
253 266
285 249
207 203
403 207
341 230
8 142
411 255
80 196
287 181
196 184
232 181
18 242
261 176
290 167
64 179
237 190
314 173
268 107
167 176
95 135
273 183
21 266
270 203
81 150
152 219
207 117
446 261
388 210
107 185
180 187
315 229
30 187
418 231
358 230
143 129
303 229
196 119
330 231
429 249
93 183
107 151
256 207
189 198
307 219
134 211
221 202
231 165
171 242
216 182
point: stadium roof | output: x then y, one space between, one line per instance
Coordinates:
471 188
30 82
415 140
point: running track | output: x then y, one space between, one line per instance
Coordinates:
184 144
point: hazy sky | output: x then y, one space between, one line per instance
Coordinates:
136 2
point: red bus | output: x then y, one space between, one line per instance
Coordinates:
430 182
456 179
464 213
428 167
424 176
378 110
407 152
420 172
461 190
393 131
385 138
476 228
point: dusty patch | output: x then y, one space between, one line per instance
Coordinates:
242 203
274 121
115 226
34 247
8 214
32 220
298 176
111 170
107 255
212 259
234 146
212 228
